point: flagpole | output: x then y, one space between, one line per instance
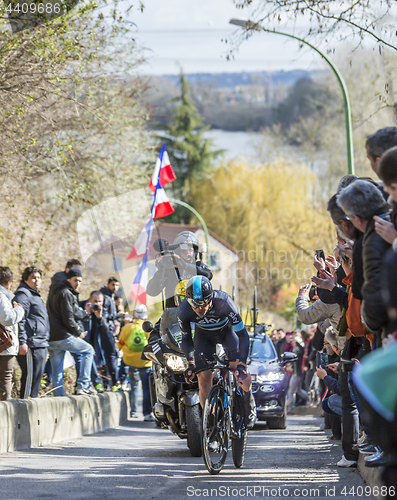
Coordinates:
202 222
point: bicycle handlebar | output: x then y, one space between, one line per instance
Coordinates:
213 364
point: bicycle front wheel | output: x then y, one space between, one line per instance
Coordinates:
215 429
238 450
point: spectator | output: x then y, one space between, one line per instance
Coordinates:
281 341
59 277
11 314
309 314
67 335
131 342
108 341
34 332
379 142
360 201
97 326
388 174
295 383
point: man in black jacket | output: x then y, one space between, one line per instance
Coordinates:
66 334
108 343
361 201
34 332
171 269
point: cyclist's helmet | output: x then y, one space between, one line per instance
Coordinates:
186 238
198 291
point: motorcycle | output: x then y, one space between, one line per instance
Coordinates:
175 403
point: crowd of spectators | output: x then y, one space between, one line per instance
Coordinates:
352 305
39 335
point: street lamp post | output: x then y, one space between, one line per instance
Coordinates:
251 25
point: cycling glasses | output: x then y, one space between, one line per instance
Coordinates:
199 303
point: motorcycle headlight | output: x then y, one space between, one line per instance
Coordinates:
270 377
175 363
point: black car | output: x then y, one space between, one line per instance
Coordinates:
269 380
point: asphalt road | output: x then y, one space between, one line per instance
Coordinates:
138 460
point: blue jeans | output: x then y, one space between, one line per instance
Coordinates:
333 405
144 376
95 378
77 346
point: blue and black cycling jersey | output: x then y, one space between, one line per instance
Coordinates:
222 319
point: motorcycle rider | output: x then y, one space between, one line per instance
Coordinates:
171 269
217 321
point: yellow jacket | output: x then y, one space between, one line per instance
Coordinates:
132 358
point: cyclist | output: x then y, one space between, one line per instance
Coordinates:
182 265
216 321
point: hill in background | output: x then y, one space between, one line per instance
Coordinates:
236 101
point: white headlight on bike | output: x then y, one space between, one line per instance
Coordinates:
270 377
175 363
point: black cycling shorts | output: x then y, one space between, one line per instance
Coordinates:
205 343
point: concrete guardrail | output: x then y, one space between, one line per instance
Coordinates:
37 422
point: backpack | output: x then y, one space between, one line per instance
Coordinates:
137 339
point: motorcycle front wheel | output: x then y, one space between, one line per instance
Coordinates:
194 428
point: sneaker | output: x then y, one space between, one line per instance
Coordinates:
149 418
369 449
376 460
116 388
83 392
343 462
99 388
133 415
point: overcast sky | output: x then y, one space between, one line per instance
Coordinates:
189 33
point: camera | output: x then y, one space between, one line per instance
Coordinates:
95 307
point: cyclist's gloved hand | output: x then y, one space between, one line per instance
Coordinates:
189 372
243 379
242 372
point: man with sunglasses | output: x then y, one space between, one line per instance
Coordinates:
180 264
216 321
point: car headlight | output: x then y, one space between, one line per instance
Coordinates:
175 363
270 377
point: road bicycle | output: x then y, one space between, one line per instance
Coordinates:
223 418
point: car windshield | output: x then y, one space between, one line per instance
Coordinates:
262 348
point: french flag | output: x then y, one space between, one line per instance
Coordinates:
162 206
138 288
142 243
163 171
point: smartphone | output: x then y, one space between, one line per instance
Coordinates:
312 293
320 254
321 359
386 216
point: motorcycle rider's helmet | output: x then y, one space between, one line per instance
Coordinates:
140 311
198 291
186 238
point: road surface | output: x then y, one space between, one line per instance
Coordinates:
139 460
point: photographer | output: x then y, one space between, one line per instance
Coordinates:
97 327
175 263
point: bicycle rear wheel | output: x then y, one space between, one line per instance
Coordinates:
215 430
